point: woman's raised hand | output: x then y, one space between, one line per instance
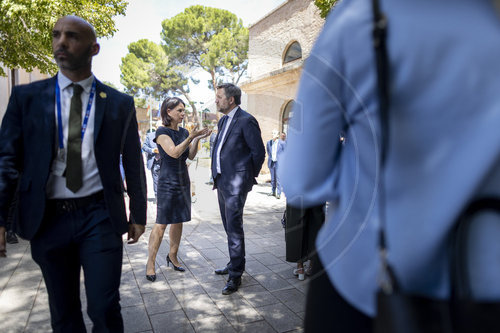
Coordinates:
199 134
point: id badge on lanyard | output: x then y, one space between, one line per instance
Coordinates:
59 164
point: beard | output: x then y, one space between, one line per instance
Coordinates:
223 108
71 61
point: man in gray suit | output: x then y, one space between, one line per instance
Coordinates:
152 157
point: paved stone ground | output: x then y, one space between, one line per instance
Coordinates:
270 298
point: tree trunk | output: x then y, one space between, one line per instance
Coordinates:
195 111
214 83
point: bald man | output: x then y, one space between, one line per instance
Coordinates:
62 138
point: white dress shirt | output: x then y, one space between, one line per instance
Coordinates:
56 185
230 116
274 150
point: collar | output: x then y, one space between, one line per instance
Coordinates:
233 111
64 82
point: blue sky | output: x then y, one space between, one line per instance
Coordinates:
143 20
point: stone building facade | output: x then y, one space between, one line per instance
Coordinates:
15 77
279 44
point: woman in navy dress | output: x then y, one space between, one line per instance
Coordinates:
175 144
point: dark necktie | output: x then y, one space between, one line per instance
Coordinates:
221 131
223 125
74 156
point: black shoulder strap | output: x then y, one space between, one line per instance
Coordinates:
380 45
388 282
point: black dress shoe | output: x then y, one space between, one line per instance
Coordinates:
222 271
11 238
231 286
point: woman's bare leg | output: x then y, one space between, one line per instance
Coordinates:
175 234
154 244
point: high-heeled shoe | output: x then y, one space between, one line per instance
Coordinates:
151 277
177 268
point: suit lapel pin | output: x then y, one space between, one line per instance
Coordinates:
103 94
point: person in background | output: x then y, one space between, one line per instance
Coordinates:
175 145
301 228
274 148
152 156
61 139
213 136
279 158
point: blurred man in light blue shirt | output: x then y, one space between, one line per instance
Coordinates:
444 148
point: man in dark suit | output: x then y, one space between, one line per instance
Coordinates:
236 161
152 157
61 138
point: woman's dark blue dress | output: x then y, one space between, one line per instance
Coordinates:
174 186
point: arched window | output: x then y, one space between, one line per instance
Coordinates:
293 52
287 115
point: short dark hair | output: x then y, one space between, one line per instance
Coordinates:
168 104
231 90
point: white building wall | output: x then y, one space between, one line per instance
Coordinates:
21 77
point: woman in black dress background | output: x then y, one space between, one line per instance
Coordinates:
175 144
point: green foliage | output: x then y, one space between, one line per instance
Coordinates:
145 70
26 26
212 39
200 37
111 85
206 144
325 6
140 102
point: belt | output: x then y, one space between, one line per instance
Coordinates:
60 206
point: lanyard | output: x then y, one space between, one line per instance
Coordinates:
59 118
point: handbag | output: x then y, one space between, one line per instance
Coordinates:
398 311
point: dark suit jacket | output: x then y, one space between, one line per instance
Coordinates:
27 146
242 153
